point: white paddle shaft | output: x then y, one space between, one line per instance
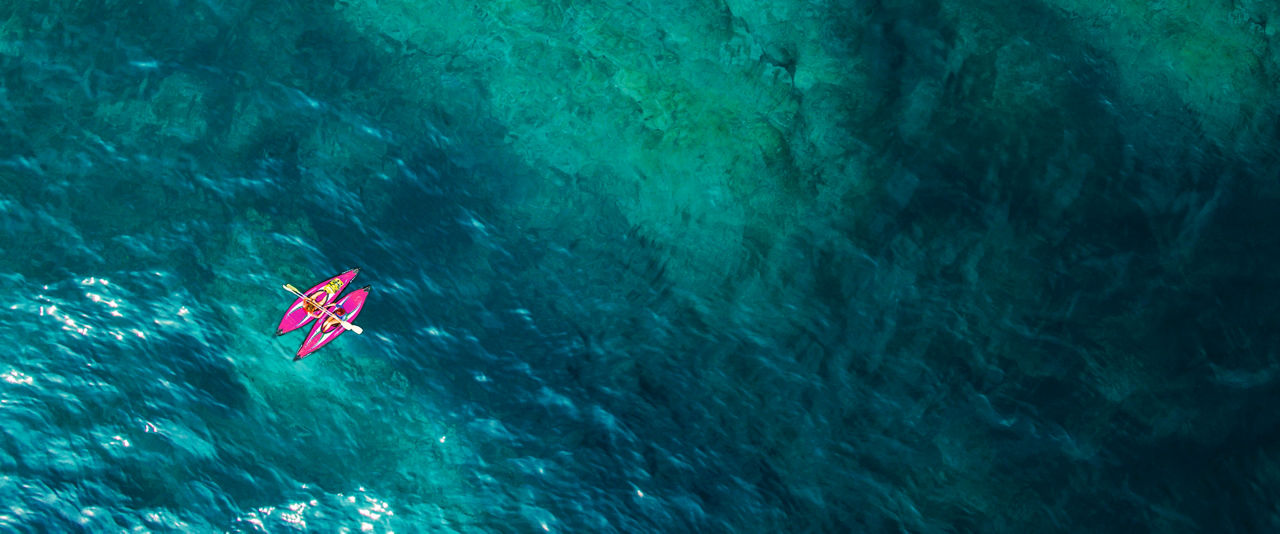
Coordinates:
312 302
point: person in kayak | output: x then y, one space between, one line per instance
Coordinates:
311 306
332 321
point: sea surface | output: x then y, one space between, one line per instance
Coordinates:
824 266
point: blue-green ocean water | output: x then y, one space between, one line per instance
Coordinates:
828 266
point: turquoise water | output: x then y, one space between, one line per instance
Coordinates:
724 267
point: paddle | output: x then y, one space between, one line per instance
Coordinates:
312 302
